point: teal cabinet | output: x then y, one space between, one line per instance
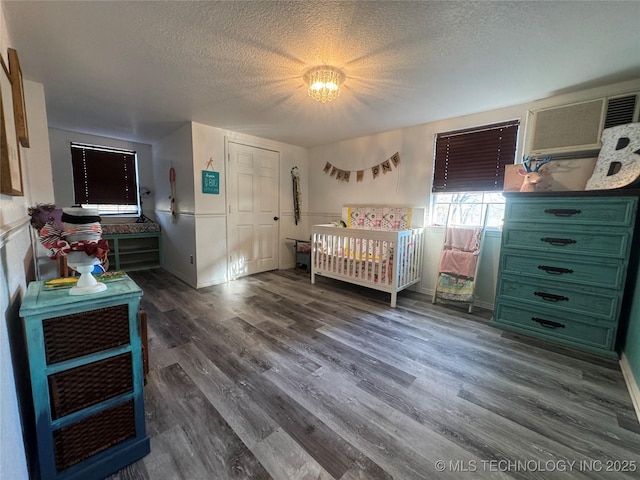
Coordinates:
85 363
134 251
564 262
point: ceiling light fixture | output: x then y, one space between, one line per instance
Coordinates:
324 83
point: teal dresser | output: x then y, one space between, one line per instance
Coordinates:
85 363
563 267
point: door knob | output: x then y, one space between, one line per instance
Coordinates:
276 218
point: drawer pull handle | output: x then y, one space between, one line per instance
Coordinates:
562 212
548 323
560 242
550 297
554 270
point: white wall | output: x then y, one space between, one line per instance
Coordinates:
410 184
200 230
63 173
211 242
16 269
210 210
405 185
38 158
178 238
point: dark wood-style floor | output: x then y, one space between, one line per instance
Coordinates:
272 377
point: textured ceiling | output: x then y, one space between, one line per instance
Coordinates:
135 70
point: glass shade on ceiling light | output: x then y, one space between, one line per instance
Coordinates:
324 83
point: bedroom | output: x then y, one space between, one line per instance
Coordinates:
191 144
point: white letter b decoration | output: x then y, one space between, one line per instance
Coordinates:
618 163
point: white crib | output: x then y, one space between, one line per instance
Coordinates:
389 261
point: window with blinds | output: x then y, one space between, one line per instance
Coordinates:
105 178
473 160
469 174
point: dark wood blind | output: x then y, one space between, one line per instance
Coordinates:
104 176
473 160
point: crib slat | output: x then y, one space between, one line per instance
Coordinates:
401 261
344 248
389 280
338 256
416 257
409 266
371 260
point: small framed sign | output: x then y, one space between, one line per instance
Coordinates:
210 182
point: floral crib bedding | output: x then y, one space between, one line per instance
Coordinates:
379 218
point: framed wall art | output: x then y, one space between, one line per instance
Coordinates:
10 168
17 88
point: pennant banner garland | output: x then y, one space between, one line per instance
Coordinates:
345 175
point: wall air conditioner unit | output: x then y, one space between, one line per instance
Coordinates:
577 128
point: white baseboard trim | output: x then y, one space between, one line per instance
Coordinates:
425 291
211 283
186 280
632 385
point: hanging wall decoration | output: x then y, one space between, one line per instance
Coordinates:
210 179
10 167
172 195
345 175
17 88
297 194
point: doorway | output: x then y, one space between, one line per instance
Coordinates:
253 209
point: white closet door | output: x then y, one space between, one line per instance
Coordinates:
253 209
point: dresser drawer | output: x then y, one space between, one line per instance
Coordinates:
94 434
79 334
611 242
562 327
565 268
562 296
614 211
77 388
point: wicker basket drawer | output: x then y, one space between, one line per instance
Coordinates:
79 334
93 434
80 387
